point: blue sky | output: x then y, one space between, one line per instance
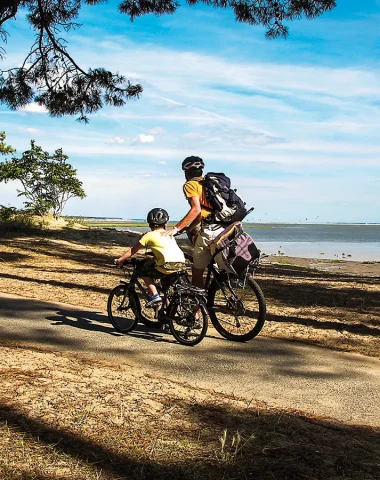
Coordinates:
294 123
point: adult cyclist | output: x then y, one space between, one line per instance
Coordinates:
199 221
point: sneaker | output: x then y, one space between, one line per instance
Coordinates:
154 300
165 328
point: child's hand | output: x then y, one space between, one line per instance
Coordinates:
118 261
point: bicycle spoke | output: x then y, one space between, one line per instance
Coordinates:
237 311
188 319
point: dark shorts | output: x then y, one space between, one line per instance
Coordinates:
149 269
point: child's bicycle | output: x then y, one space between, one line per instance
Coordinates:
183 306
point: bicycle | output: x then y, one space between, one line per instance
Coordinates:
236 304
183 306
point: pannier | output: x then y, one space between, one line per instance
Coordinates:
235 250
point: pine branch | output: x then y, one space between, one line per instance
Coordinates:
51 77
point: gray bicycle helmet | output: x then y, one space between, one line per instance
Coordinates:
192 162
157 216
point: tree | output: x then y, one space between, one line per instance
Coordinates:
5 149
48 180
52 78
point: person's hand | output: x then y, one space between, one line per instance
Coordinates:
170 233
119 261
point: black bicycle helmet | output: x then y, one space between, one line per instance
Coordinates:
157 216
192 162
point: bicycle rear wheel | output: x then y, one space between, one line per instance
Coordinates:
123 309
188 318
237 309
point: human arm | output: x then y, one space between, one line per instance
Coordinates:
189 219
129 253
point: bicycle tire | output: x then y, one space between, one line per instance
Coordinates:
184 326
221 315
121 322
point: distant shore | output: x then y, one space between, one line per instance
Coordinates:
313 241
131 223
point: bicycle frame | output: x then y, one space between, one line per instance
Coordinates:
223 278
134 280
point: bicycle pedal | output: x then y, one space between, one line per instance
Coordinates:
154 305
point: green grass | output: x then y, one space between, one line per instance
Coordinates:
115 225
119 224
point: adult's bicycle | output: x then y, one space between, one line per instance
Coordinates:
183 306
236 303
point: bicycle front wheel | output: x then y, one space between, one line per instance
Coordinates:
188 318
237 308
123 309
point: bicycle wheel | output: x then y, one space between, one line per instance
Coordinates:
237 313
123 309
188 318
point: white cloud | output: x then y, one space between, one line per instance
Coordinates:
33 108
117 140
162 163
142 138
219 133
156 131
32 131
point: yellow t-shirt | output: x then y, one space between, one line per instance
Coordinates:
193 188
164 248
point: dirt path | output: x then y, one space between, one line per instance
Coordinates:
343 386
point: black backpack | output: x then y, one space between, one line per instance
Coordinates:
227 206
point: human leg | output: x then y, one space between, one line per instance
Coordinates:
197 277
148 274
202 253
201 259
150 285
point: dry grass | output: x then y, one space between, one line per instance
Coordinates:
335 310
339 310
64 418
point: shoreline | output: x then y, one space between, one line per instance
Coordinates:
354 248
335 262
107 221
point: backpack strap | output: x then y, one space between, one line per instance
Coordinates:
201 181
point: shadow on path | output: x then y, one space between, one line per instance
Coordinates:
98 322
57 283
274 445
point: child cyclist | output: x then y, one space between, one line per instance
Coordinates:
169 258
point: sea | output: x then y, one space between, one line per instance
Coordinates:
355 242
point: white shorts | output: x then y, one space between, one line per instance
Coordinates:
202 253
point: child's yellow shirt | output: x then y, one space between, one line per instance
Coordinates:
164 248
